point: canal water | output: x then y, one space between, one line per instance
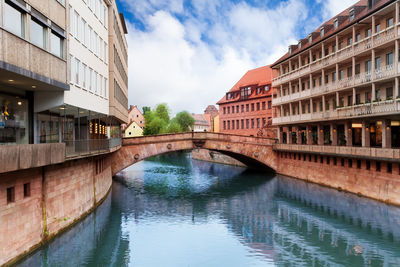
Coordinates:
175 211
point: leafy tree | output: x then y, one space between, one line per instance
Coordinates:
174 126
162 111
156 126
185 120
146 109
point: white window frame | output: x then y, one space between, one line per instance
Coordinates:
77 71
84 67
83 34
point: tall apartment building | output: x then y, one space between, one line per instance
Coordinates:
339 87
56 63
247 107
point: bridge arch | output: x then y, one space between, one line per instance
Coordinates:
253 151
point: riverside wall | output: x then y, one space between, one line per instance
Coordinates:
377 180
58 196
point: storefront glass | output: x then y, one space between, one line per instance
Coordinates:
14 120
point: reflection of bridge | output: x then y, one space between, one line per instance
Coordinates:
252 151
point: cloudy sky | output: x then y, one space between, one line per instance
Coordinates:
188 53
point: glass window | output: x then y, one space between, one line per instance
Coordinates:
368 33
96 46
56 45
84 75
352 15
90 4
336 23
389 59
389 22
377 28
38 34
100 84
90 38
13 20
77 68
95 82
84 41
377 63
105 88
71 19
14 120
105 52
101 48
322 32
90 79
358 37
71 66
368 66
105 16
76 24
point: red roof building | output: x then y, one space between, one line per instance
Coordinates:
247 107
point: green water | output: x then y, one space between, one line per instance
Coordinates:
175 211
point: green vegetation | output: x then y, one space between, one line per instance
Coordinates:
158 121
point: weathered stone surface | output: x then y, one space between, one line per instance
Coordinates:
240 147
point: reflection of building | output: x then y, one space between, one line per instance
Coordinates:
133 129
246 108
201 124
339 88
56 86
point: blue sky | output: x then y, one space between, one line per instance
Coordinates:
189 53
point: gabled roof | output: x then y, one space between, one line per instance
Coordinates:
199 119
255 77
360 11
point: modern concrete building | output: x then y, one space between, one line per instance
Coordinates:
57 72
337 90
247 107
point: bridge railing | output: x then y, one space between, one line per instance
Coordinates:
78 148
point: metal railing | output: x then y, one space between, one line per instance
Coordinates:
76 148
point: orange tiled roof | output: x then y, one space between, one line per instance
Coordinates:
256 77
360 9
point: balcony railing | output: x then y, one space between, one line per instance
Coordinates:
369 109
387 35
78 148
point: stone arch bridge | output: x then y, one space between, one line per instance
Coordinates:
252 151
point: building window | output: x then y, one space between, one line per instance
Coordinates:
247 123
389 167
233 125
350 161
229 110
71 65
389 93
377 28
352 15
14 20
378 166
322 32
378 63
389 59
242 124
224 125
258 123
269 104
27 190
84 39
95 82
84 75
229 125
263 105
258 106
76 25
336 23
56 45
90 38
38 34
252 123
389 22
224 110
252 106
10 195
247 107
358 164
237 109
77 69
90 79
310 39
367 33
299 45
368 165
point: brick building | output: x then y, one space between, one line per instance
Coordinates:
247 107
211 114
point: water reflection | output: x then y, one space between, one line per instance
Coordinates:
175 211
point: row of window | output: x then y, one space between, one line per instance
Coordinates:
85 34
11 193
249 107
99 9
245 92
340 45
83 76
244 124
389 23
46 36
335 161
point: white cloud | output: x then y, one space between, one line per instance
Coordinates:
190 63
334 7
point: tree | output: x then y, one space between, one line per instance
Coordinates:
162 111
185 121
156 126
174 126
146 109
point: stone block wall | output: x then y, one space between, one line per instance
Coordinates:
59 195
378 180
216 157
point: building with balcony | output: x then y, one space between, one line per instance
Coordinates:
247 107
339 87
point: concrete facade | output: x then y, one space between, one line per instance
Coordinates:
118 51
